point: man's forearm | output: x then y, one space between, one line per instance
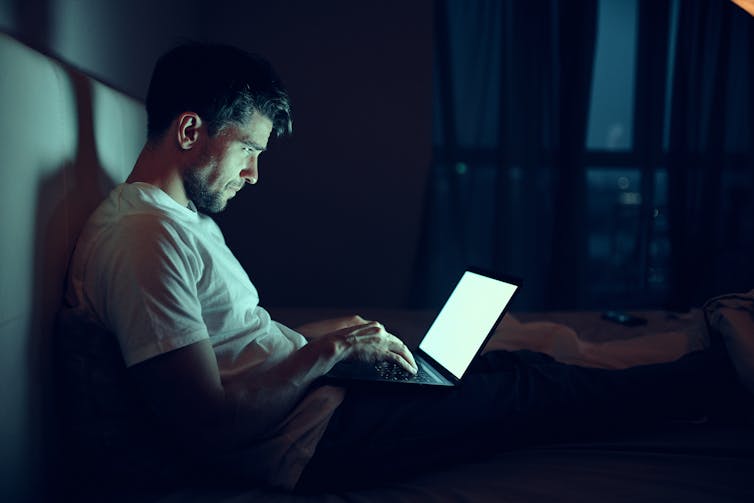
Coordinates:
256 403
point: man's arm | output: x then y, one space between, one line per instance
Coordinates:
186 392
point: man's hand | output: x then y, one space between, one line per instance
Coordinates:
324 327
370 342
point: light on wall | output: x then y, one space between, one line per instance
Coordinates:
747 5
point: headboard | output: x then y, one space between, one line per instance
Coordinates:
66 140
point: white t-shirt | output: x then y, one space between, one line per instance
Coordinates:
160 276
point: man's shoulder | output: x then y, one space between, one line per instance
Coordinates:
145 224
131 226
139 220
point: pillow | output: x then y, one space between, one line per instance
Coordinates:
732 317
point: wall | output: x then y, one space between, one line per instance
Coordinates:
335 218
66 139
116 41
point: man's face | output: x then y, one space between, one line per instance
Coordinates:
229 160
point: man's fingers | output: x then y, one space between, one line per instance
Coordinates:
404 358
374 343
407 360
361 329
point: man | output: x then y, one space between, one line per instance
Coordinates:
230 385
153 270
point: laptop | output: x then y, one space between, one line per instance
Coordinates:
459 332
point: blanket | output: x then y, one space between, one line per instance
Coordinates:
604 344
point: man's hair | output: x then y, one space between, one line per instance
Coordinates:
222 84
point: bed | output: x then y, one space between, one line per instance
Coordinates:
681 462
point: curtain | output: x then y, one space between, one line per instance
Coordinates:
711 226
509 191
511 89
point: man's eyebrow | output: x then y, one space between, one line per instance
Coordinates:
254 145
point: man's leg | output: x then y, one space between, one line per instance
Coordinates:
509 400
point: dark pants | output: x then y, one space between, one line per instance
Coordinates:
508 400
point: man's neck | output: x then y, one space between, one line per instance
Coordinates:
157 167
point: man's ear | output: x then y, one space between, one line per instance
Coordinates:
189 124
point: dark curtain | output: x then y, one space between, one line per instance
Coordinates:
576 30
508 187
711 225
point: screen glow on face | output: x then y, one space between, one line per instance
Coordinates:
465 321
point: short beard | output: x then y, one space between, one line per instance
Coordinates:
199 194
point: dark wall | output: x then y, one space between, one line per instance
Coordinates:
116 41
334 220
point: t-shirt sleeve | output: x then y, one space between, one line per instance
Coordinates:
151 300
293 336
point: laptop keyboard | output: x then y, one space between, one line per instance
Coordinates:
393 372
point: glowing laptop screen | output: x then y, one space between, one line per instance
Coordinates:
465 320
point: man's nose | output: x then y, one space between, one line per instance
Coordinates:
251 172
